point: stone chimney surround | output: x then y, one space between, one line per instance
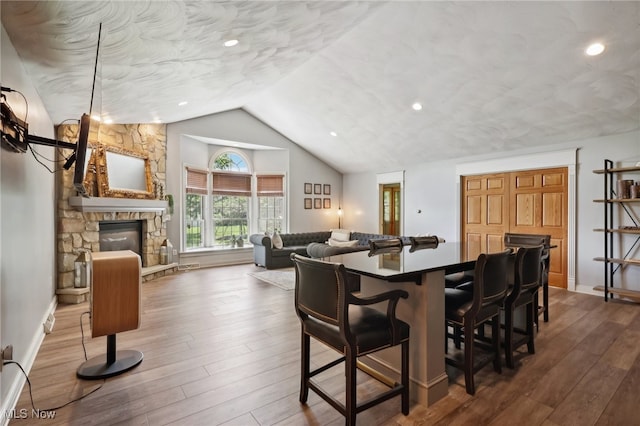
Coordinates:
78 217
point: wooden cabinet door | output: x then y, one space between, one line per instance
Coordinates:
538 200
485 213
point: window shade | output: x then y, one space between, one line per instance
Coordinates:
196 181
231 184
270 186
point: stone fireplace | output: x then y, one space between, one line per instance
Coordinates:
79 222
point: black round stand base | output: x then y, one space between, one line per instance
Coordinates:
97 367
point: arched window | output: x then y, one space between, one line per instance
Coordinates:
219 203
230 161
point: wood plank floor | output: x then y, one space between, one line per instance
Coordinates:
221 347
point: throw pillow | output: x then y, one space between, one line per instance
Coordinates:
340 234
336 243
276 240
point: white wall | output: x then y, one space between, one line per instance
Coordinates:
427 188
432 188
622 149
240 126
27 209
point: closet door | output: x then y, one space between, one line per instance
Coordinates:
523 202
538 200
485 213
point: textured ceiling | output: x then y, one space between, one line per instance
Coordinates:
492 76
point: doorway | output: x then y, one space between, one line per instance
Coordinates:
390 202
391 213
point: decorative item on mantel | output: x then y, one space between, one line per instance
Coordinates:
169 210
158 190
169 199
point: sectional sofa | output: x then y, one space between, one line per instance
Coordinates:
310 244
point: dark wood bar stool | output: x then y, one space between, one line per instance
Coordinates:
515 241
466 311
389 245
523 287
331 314
420 243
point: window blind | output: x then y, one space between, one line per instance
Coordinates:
196 181
231 184
270 185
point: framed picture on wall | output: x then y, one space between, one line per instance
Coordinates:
326 189
327 203
307 203
317 188
317 203
307 188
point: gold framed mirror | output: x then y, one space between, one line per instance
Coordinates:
122 173
90 171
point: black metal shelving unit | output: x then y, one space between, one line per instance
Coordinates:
612 201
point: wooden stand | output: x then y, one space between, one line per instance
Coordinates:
115 307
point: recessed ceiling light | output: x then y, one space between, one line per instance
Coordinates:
157 120
416 106
95 117
594 49
183 103
334 134
230 43
107 120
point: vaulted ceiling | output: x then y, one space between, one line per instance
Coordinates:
339 78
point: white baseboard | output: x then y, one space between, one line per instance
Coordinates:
207 259
588 289
8 404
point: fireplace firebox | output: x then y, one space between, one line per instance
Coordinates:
121 235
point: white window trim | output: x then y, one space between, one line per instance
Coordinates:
254 196
181 214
